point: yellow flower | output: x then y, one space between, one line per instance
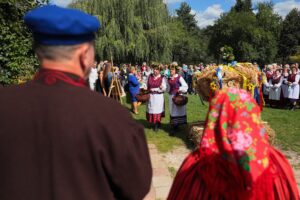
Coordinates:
21 81
255 118
213 86
211 125
250 86
265 162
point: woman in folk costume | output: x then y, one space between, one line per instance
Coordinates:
270 72
176 84
234 160
156 85
275 88
285 86
293 83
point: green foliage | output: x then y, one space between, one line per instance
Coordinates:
185 17
252 36
243 6
295 58
290 35
267 33
234 29
172 171
17 60
227 54
132 30
189 42
142 30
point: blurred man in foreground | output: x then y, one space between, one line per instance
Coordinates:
58 139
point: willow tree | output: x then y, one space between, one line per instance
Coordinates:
17 60
132 30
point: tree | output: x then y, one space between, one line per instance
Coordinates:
243 6
17 60
267 19
132 30
184 15
227 54
253 37
189 42
289 37
267 33
234 29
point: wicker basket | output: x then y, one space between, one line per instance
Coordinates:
180 100
143 96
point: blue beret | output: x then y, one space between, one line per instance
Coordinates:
53 25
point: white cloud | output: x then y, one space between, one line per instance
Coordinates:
208 17
62 3
283 8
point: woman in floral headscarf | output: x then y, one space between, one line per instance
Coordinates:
234 160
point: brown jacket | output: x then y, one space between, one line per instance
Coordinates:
59 141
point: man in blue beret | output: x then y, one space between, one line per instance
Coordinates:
58 139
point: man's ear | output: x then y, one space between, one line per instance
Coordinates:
84 60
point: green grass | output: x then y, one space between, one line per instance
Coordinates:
172 171
161 139
285 123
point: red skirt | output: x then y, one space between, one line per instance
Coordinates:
277 182
155 118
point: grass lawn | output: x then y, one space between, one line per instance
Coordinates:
285 123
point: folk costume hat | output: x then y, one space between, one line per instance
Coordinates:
234 159
53 25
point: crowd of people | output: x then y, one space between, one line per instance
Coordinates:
156 79
280 86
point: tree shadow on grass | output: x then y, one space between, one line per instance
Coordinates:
181 132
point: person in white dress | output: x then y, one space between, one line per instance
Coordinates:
176 84
293 83
275 88
93 77
284 86
156 85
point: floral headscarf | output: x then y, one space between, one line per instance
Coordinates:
234 147
234 160
233 153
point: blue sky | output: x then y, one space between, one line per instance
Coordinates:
207 11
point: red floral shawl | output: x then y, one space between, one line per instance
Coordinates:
233 160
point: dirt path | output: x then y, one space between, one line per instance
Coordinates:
165 166
294 160
174 159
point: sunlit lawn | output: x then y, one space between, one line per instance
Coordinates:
285 123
